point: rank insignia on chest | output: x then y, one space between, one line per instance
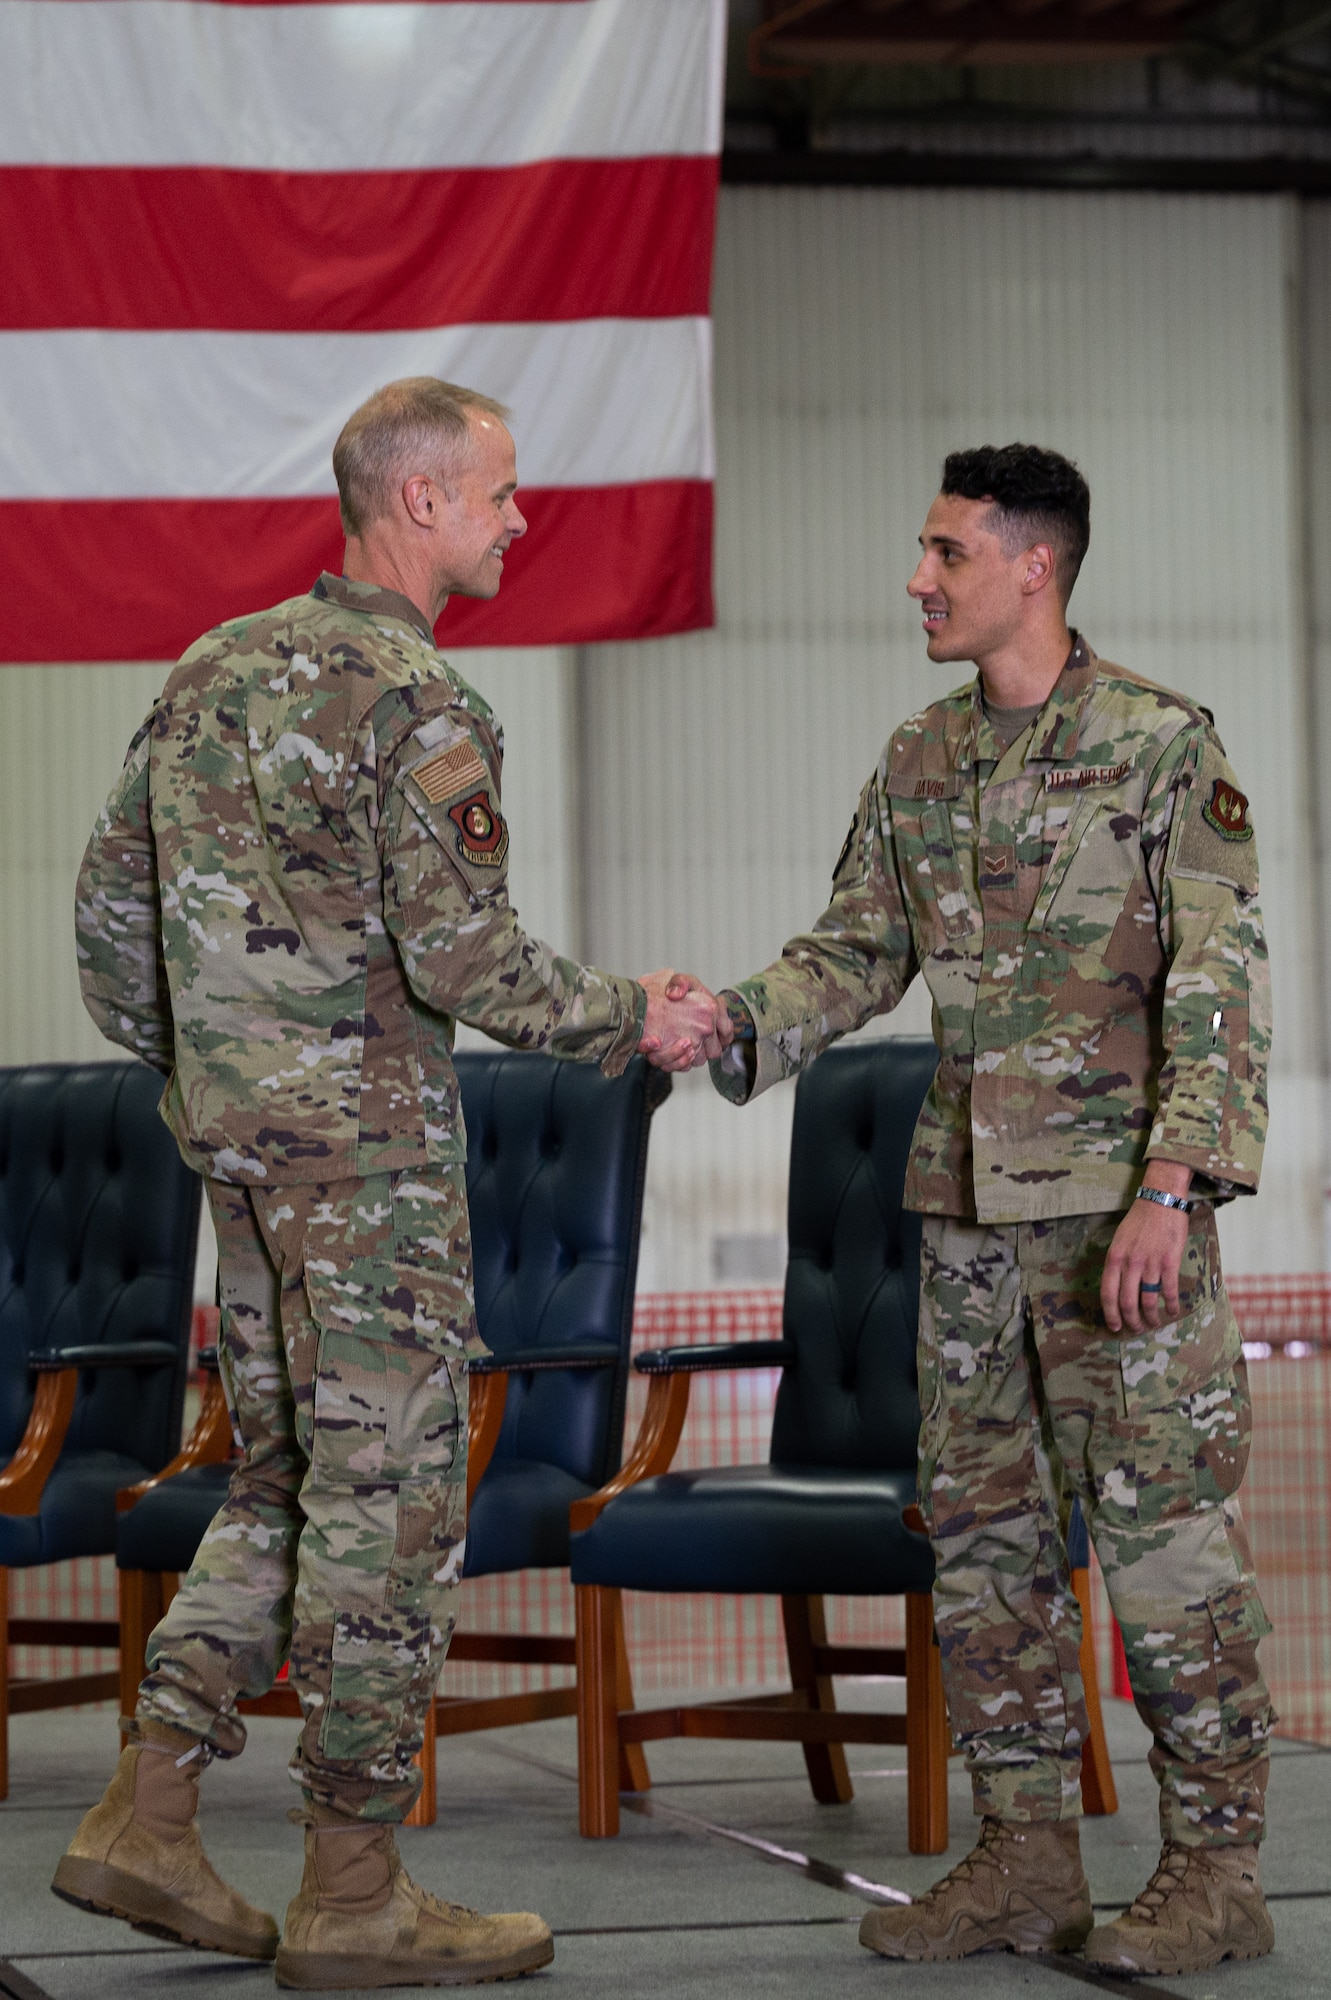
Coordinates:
482 837
1226 812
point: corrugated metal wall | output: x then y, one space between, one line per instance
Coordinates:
860 335
1174 345
1314 431
64 737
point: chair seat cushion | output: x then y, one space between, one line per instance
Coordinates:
795 1529
78 1511
519 1517
164 1530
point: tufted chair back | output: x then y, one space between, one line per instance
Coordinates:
853 1277
556 1161
98 1220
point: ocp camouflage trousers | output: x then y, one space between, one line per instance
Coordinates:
1028 1399
347 1318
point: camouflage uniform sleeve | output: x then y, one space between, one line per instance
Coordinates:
445 847
857 961
1211 1110
117 926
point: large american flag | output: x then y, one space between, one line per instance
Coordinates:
222 224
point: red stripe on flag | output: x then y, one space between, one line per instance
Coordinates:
355 3
141 579
180 248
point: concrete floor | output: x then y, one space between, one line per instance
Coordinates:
728 1876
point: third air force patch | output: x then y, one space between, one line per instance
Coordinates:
482 836
1226 812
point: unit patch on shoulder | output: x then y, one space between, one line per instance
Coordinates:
482 837
451 772
1226 811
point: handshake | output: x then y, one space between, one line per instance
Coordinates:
686 1025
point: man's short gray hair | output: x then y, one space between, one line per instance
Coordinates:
418 424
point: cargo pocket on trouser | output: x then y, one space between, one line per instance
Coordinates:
386 1389
1187 1417
387 1484
385 1664
1239 1621
1187 1606
1210 1754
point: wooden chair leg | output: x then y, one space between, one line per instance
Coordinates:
806 1627
1098 1794
634 1775
423 1812
141 1607
598 1717
928 1740
4 1683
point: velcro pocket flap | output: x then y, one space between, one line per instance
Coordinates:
390 1388
948 891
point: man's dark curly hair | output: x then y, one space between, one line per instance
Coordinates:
1038 496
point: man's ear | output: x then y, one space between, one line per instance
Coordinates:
421 499
1037 569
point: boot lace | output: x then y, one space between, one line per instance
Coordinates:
980 1856
1168 1877
439 1908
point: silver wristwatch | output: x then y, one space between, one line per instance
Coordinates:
1164 1200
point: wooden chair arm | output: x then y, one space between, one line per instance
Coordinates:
209 1443
914 1519
653 1448
23 1480
486 1397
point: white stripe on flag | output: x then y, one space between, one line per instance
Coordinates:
351 87
97 415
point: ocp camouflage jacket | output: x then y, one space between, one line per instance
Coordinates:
300 881
1084 909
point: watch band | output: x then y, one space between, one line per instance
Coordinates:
1164 1200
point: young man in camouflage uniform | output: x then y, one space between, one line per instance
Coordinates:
296 888
1063 851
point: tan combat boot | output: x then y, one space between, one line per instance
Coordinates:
359 1920
1021 1888
138 1855
1201 1905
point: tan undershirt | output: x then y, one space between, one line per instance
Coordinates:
1009 723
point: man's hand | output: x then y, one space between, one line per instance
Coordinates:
686 1025
1139 1284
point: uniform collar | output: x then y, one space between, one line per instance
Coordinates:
1057 727
372 598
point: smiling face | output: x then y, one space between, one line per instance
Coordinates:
479 517
972 594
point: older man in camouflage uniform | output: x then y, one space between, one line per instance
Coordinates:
1063 850
296 888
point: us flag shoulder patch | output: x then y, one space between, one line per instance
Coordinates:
460 769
